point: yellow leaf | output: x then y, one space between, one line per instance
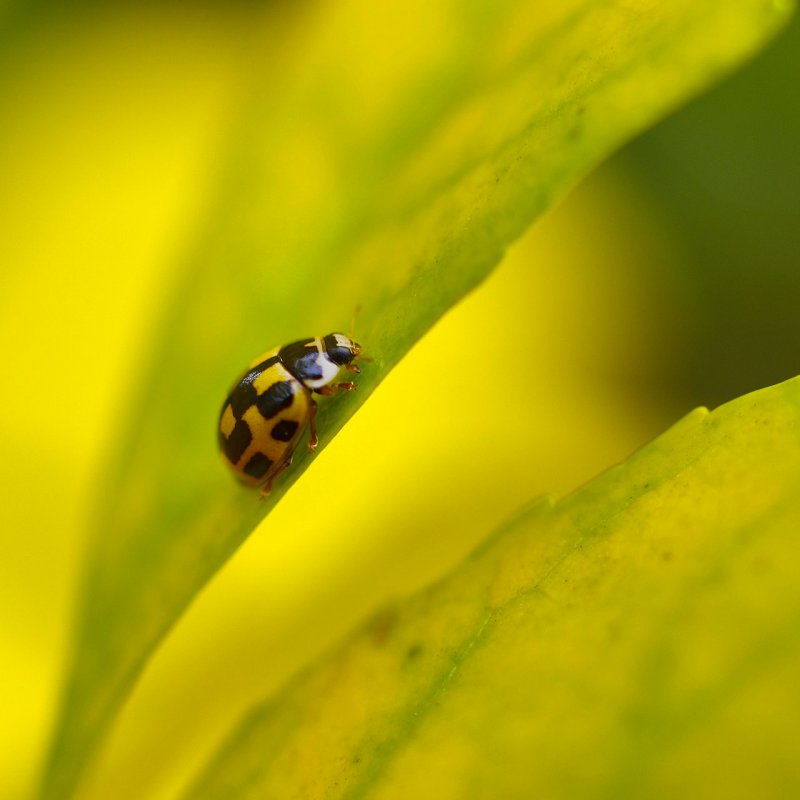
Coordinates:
637 639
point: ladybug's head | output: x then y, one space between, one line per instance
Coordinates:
340 349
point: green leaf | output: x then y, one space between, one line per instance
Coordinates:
637 639
375 163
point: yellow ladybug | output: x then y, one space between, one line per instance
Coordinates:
266 412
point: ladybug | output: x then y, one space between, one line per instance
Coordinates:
266 412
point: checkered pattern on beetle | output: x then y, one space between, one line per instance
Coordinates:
266 412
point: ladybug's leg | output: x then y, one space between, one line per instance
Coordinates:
335 387
353 368
312 439
267 488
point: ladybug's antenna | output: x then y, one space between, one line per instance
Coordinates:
356 312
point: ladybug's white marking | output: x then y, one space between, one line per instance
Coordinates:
329 372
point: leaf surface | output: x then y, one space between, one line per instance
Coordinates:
632 640
355 176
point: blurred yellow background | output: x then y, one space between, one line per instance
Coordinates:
615 296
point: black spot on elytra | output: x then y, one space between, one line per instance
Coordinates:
243 394
259 368
284 430
275 399
242 397
257 466
235 445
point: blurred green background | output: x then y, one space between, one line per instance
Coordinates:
723 175
669 279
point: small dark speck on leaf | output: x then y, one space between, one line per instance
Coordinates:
575 132
382 626
415 651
